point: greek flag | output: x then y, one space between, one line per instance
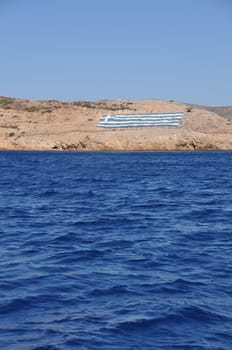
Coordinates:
140 120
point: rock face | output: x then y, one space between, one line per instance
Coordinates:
55 125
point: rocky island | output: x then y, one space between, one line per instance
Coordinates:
56 125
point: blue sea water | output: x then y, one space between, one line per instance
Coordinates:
115 250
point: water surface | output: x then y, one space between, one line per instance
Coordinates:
115 250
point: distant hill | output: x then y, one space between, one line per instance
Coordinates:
223 111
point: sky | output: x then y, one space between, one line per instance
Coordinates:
117 49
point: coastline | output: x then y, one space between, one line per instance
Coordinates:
54 125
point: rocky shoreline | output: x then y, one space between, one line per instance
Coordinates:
56 125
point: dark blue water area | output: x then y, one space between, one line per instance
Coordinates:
115 250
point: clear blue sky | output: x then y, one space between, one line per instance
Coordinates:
106 49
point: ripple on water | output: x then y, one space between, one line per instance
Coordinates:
115 250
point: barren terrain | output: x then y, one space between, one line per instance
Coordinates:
55 125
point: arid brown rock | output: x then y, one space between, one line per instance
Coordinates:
55 125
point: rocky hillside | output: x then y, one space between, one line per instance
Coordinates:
55 125
225 111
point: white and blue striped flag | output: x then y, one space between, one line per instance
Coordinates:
140 120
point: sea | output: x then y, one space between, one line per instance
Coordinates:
115 250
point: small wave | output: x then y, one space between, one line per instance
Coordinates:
184 283
16 305
109 221
111 291
178 286
202 315
200 214
46 347
116 244
64 238
184 315
49 193
16 212
141 324
74 256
